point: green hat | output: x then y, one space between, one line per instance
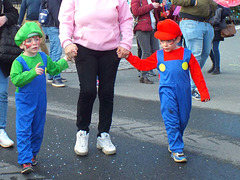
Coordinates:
28 30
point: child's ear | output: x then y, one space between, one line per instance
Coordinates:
21 46
179 39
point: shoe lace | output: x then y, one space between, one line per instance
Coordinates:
82 140
180 154
107 140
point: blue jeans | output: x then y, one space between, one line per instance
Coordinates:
215 54
55 46
198 38
3 100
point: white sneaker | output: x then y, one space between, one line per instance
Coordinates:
104 142
81 146
5 141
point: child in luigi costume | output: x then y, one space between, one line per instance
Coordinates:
28 74
174 63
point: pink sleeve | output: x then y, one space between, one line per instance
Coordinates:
126 24
66 19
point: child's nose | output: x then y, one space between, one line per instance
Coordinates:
34 42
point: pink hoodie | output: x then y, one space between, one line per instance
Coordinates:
96 24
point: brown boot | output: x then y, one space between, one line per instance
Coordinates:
145 80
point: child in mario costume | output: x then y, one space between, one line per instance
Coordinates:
28 75
174 63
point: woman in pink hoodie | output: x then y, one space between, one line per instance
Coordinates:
97 34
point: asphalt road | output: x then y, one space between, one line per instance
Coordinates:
212 138
139 135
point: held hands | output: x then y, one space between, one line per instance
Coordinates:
71 51
122 52
38 69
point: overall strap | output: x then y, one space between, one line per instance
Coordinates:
160 56
23 62
187 55
44 58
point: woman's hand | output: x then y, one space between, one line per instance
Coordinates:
122 52
71 51
3 20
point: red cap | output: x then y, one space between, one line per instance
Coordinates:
167 30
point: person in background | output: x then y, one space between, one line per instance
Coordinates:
28 75
9 17
175 64
197 32
148 14
51 29
218 22
31 9
97 36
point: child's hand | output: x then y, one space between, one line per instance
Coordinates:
72 60
39 70
206 100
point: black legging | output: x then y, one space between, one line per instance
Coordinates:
90 64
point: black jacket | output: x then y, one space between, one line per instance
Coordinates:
12 15
219 22
53 7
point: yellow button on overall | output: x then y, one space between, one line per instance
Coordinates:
162 67
185 66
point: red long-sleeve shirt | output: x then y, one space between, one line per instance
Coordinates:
195 70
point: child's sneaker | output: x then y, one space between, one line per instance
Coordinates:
34 161
169 150
179 157
27 168
104 142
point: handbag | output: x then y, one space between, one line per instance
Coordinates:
230 30
8 48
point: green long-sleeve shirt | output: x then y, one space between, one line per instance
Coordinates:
20 78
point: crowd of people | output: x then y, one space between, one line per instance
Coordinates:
97 38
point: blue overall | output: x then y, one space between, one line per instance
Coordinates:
31 104
175 97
